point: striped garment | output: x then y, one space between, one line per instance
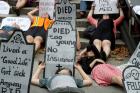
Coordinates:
103 73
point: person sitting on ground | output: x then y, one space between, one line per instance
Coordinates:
20 4
7 30
104 35
38 30
55 84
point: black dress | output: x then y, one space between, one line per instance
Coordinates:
104 31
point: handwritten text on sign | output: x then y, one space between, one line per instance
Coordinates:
131 79
106 7
15 65
135 58
66 12
60 47
46 6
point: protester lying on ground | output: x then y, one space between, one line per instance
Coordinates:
20 4
104 35
105 74
7 30
102 73
38 30
55 84
87 55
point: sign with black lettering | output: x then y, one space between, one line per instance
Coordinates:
60 47
131 79
66 12
4 7
106 7
16 61
46 6
21 22
135 58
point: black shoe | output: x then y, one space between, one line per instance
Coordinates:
103 56
17 11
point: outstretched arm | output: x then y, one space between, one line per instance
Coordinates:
35 78
30 14
87 81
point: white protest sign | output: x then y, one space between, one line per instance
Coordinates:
4 7
46 6
60 47
23 23
16 61
106 7
135 58
66 12
131 79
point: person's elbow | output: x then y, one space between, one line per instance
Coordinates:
88 82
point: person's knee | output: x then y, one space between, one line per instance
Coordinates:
106 43
29 39
97 42
38 40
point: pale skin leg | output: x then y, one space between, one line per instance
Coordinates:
38 40
97 43
106 45
20 4
117 80
29 39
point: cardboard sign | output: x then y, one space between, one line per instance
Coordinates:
23 23
16 61
106 7
60 47
135 58
4 7
131 79
66 12
46 6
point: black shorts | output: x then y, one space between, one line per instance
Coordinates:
37 31
104 36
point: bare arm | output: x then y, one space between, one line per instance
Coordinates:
120 18
96 60
30 14
35 78
81 54
87 81
90 19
